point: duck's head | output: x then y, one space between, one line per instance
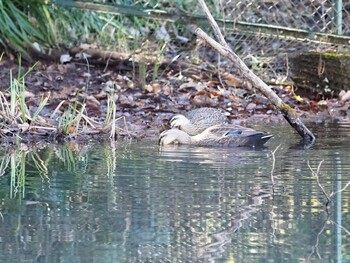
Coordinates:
178 121
174 136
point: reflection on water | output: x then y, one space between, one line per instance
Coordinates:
141 203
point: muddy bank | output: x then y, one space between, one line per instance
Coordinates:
143 105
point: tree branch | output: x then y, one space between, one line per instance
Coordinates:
222 47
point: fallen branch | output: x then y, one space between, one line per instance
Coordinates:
223 48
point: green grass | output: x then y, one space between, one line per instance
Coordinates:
15 111
23 23
67 123
18 118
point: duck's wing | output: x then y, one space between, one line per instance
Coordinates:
229 129
235 135
206 117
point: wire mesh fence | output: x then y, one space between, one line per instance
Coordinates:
268 51
270 31
324 16
265 32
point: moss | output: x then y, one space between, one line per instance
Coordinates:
331 54
285 108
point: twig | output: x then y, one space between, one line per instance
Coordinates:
57 109
273 164
219 74
315 248
43 128
213 23
107 62
341 190
85 56
113 128
343 228
316 174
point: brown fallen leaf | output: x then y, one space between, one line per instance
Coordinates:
92 99
232 80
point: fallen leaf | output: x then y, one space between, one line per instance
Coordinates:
92 99
28 94
232 80
298 98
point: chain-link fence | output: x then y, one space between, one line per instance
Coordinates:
284 27
326 16
265 32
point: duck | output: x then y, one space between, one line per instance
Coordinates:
217 135
196 121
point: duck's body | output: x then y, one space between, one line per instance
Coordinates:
217 135
196 121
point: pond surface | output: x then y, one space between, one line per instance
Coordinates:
137 202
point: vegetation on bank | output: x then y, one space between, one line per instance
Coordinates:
18 120
35 27
133 85
43 26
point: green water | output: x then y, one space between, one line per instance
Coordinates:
137 202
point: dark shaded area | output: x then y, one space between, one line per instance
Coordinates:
321 73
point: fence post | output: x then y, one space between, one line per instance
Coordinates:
338 15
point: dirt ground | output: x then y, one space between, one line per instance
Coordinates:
147 107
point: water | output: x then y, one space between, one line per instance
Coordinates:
138 202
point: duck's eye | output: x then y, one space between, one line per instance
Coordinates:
233 133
